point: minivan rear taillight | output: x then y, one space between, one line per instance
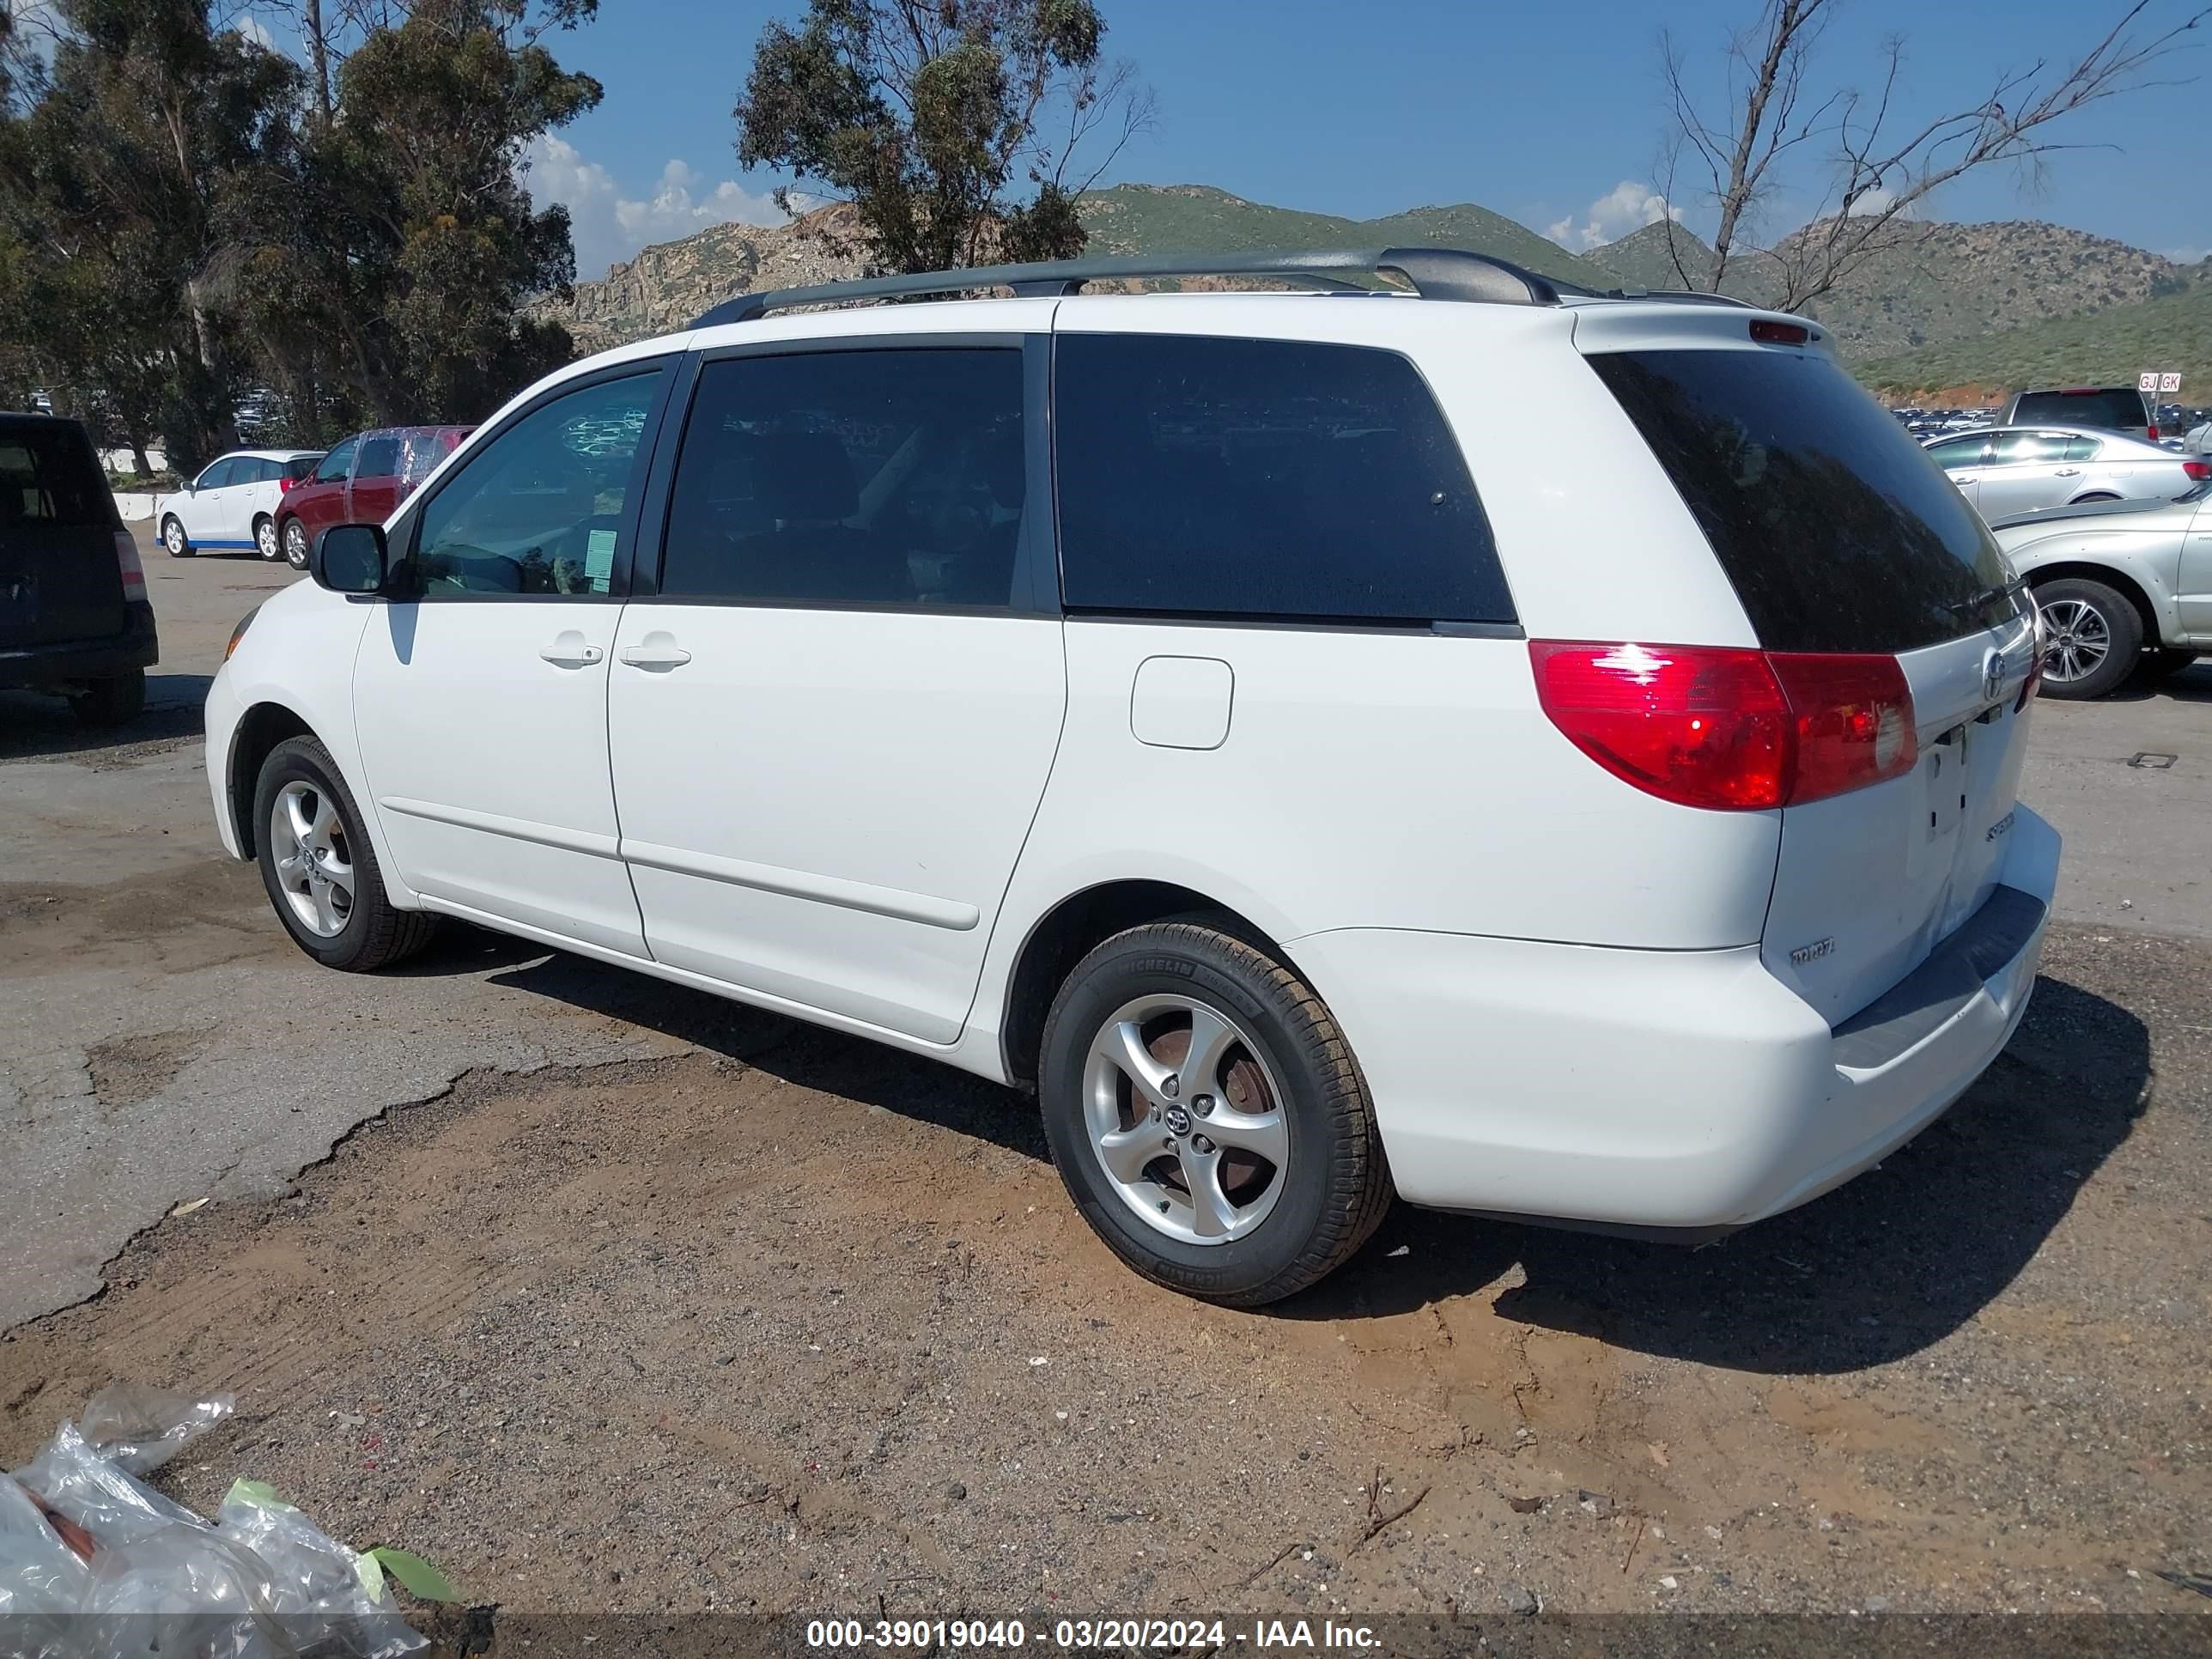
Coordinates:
1727 728
126 562
2197 471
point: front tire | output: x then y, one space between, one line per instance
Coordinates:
265 537
318 868
1207 1116
2093 638
110 702
174 538
295 543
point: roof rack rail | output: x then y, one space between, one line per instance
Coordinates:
1436 273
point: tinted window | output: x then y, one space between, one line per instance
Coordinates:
1959 453
851 478
49 475
2082 449
1263 479
217 474
539 510
300 467
2112 406
1835 529
335 465
380 456
2028 448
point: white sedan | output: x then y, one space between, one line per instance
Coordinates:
2008 470
232 504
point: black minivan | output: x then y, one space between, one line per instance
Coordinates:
74 617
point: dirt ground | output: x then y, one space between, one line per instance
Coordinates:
789 1322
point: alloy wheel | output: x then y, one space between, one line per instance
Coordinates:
2076 639
296 544
264 539
315 868
1186 1118
173 537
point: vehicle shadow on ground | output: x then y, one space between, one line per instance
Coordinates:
2192 684
1876 1270
808 1056
1882 1268
35 726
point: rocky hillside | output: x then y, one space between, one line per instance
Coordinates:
1955 282
2099 348
1952 282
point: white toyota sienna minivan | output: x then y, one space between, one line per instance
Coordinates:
1530 752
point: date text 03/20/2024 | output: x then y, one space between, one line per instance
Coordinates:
1079 1635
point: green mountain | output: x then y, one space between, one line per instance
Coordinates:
1946 283
2104 347
1176 218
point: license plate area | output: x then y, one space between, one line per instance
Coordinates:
1944 767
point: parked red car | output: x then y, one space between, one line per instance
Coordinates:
361 481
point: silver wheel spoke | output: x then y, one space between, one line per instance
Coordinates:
1210 1039
326 913
1126 1151
1123 1044
1212 1214
1262 1134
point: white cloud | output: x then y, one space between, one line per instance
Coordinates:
1873 202
2187 256
1627 206
256 31
609 226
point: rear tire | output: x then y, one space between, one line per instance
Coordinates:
325 884
174 538
265 537
2093 638
295 543
1292 1179
115 701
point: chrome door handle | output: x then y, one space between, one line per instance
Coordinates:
2068 473
653 654
570 651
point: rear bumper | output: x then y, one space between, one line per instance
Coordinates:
71 662
1653 1090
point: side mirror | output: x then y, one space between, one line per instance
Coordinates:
350 558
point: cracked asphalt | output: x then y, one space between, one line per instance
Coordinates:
608 1296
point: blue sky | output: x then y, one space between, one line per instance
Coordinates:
1544 113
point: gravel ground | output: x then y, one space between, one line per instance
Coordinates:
788 1322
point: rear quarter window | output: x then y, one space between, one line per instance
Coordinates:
1263 479
1838 532
2114 406
50 475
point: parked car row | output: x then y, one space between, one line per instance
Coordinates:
2020 468
275 501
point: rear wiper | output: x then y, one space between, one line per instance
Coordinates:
1989 596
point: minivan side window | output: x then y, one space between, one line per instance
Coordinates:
868 477
217 474
380 456
1263 479
334 466
540 508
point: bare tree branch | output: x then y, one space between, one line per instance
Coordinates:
1880 181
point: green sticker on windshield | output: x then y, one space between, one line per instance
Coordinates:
599 559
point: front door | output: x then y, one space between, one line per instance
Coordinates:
374 495
832 727
483 695
216 504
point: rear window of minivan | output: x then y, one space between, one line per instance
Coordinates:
48 475
1836 528
1265 479
2117 407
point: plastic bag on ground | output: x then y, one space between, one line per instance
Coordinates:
142 1428
262 1582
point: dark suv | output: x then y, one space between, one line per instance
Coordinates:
2115 408
73 612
